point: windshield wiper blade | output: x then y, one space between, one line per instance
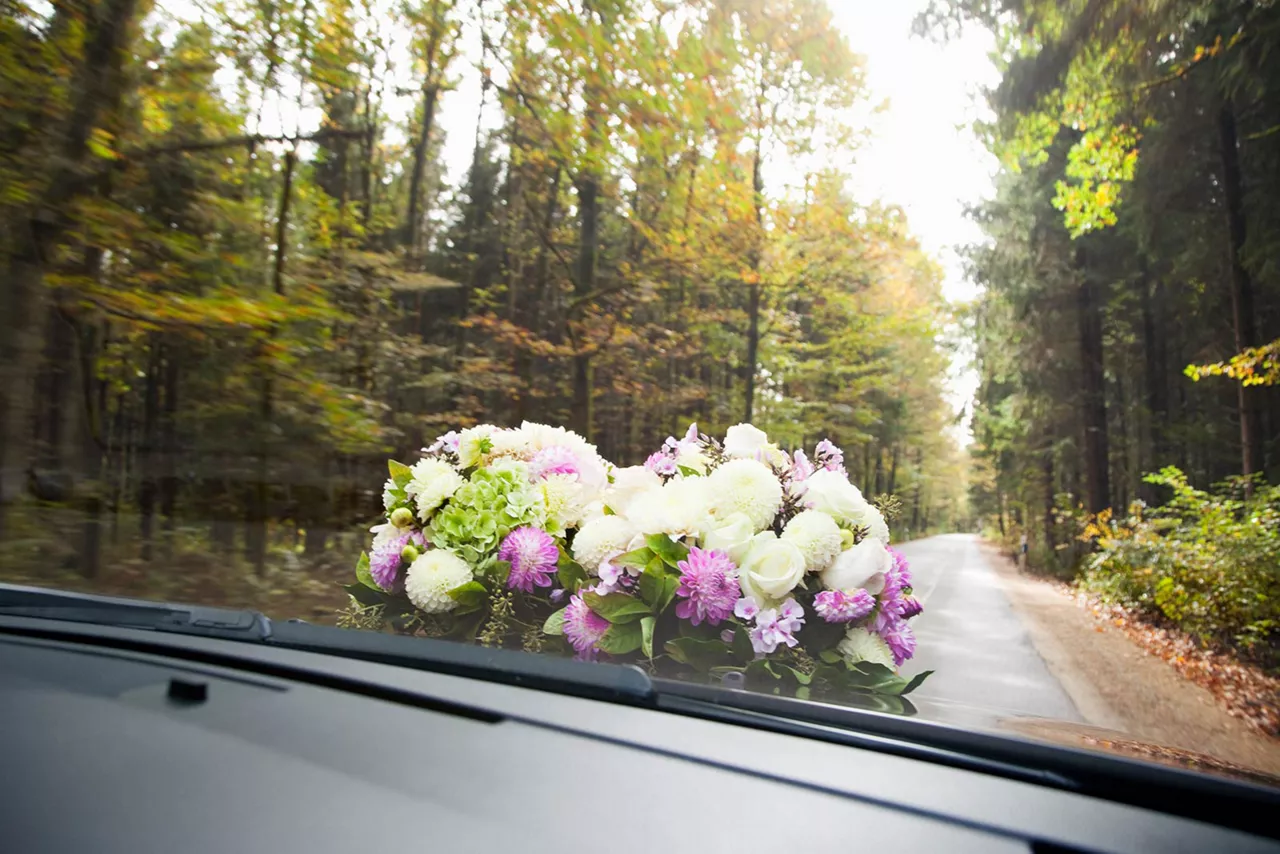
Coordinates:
18 601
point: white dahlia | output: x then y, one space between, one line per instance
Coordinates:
817 536
432 576
593 471
433 482
562 498
628 483
510 443
679 507
474 444
861 645
746 486
600 538
388 497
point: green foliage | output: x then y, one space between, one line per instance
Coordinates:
1208 561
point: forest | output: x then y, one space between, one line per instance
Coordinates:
1126 336
238 275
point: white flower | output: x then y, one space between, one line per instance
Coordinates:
746 486
862 566
600 538
433 483
833 494
690 457
591 511
593 470
383 534
678 508
817 536
731 536
744 440
628 483
474 444
862 645
431 577
562 498
510 443
388 500
771 569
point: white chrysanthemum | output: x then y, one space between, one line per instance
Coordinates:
817 536
562 500
388 500
677 508
510 443
474 443
431 577
862 645
873 520
433 483
746 486
600 538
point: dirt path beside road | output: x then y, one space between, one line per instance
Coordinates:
1117 685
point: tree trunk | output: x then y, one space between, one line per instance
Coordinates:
1242 310
169 451
753 292
97 85
589 203
147 462
413 225
92 443
1155 362
1096 452
1050 514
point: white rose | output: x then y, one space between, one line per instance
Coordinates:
862 566
744 440
833 494
771 569
732 536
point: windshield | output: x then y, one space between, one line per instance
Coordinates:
911 356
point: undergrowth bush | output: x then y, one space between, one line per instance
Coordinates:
1207 561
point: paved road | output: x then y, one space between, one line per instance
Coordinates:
971 637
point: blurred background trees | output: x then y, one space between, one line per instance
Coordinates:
238 276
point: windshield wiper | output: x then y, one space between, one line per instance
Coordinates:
16 601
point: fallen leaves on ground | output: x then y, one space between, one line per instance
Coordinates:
1245 690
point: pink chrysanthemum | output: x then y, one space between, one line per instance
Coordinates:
385 561
901 640
583 627
899 575
555 459
709 583
836 606
532 554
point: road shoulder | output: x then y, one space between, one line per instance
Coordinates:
1118 686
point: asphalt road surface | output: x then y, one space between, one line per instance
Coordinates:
971 637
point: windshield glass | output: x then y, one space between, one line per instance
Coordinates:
911 356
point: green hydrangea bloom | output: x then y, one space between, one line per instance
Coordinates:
494 501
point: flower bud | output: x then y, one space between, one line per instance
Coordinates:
409 553
910 607
846 539
402 517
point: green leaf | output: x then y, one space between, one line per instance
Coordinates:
473 593
617 608
363 575
916 682
699 654
365 595
651 583
646 635
621 639
686 471
666 548
742 648
830 656
670 583
637 559
570 572
554 624
499 571
400 473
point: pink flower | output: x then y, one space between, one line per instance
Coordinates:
801 468
556 459
901 640
533 555
709 583
774 628
746 608
583 627
661 464
385 560
829 456
836 606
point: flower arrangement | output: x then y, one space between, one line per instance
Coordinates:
719 558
